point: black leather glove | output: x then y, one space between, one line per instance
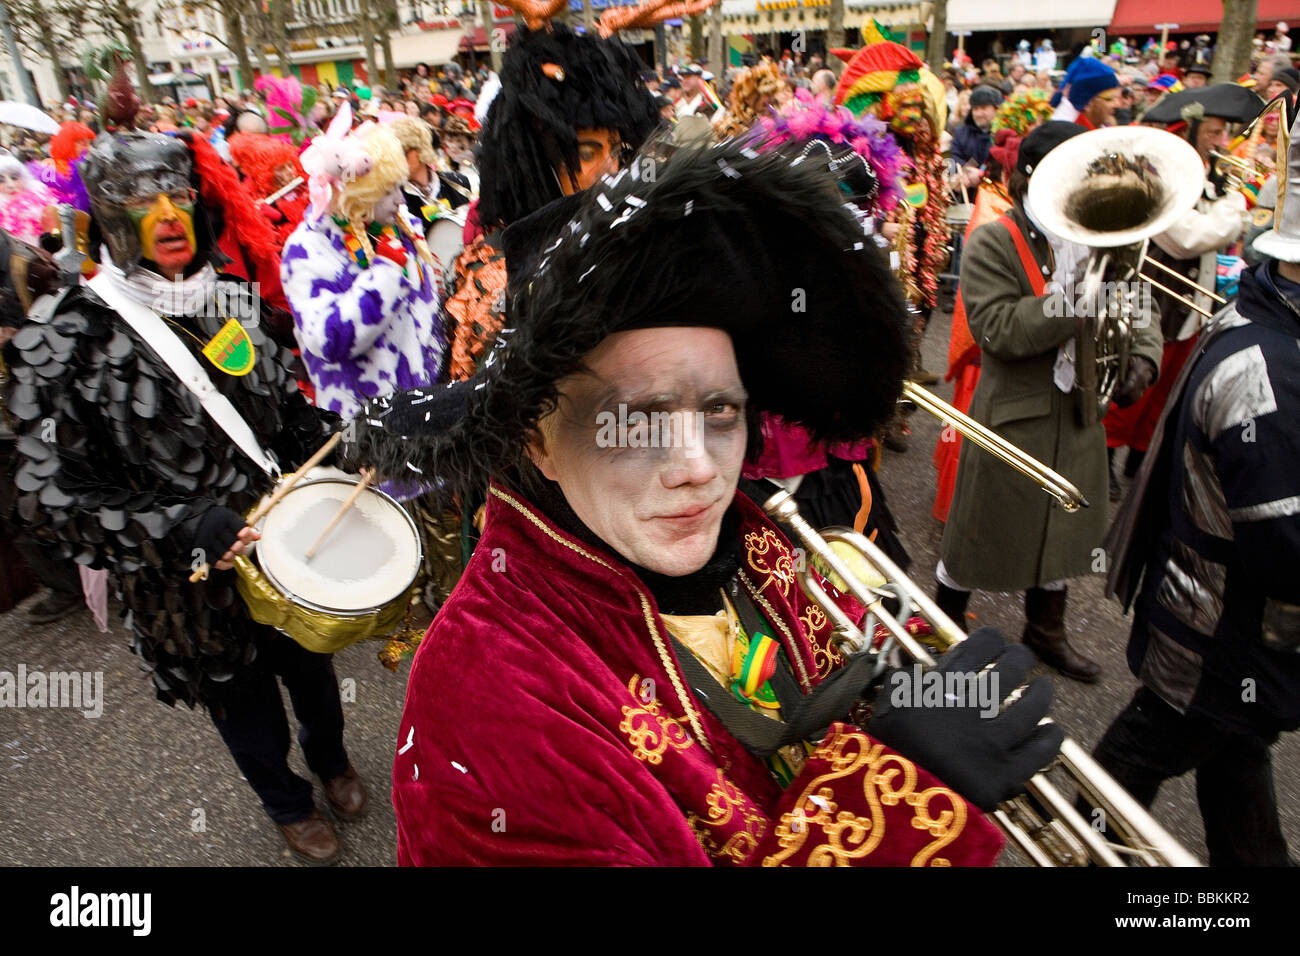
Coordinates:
1141 373
983 754
217 531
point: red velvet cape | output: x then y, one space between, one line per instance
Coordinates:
547 722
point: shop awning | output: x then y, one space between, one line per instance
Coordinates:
1025 16
1192 16
434 47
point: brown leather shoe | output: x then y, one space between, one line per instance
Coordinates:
312 840
347 794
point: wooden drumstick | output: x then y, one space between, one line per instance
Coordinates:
362 485
276 496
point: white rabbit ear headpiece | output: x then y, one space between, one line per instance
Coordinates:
334 158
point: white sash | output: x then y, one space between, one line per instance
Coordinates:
169 347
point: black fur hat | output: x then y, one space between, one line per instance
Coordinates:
555 82
756 244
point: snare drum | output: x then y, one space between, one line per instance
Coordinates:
357 586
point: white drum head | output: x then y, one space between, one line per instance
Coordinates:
370 558
446 240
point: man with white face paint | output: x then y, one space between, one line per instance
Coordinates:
357 273
627 646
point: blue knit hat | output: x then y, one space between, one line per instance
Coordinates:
1091 77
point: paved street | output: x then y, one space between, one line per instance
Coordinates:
126 788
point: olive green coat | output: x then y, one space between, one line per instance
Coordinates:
1004 533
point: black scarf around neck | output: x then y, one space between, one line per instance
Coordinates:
697 593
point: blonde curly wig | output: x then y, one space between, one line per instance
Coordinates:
415 134
355 201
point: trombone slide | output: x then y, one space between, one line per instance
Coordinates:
1066 838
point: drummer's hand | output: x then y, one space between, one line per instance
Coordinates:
246 537
890 230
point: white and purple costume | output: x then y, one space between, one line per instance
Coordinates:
365 331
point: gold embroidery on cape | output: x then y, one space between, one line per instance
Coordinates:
765 553
649 731
826 656
691 713
726 801
792 648
840 837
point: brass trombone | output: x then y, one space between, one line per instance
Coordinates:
1059 487
1043 824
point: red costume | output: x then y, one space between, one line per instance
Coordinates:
259 157
547 722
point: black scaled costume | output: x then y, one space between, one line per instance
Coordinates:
119 465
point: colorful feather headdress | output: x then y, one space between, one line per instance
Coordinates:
866 135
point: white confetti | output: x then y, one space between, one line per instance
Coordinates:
604 202
585 274
820 802
461 767
690 204
418 471
416 775
410 742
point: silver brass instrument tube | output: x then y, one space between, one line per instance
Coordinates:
1123 813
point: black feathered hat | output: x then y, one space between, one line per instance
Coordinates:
723 236
555 82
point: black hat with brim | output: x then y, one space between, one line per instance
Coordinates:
755 244
1041 141
1228 101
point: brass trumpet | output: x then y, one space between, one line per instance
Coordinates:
1043 823
1239 174
1069 497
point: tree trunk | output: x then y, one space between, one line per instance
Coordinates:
1232 54
661 46
126 20
280 35
16 58
834 35
259 31
237 41
717 43
52 51
697 38
366 27
387 21
938 37
496 41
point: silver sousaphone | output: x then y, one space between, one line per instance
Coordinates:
1112 190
